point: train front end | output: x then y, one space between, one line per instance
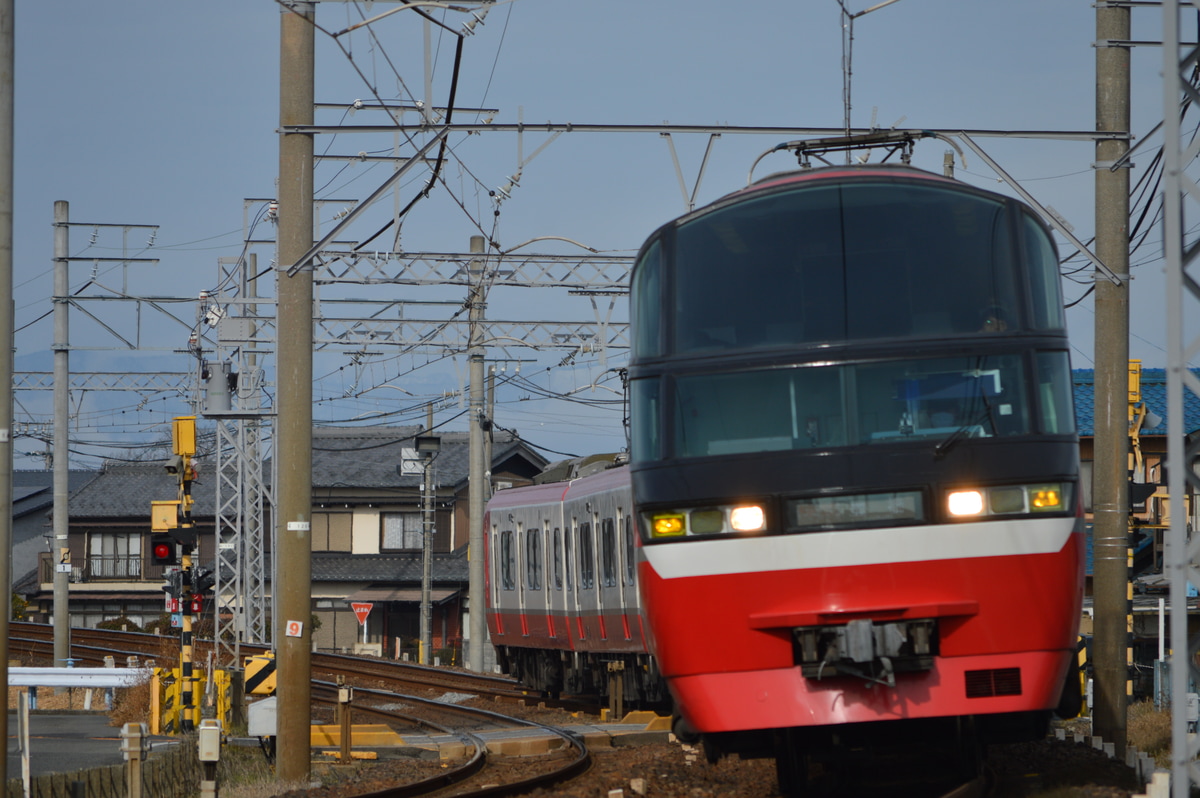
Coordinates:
854 461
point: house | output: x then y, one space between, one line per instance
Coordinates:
367 523
112 571
1149 510
1148 494
33 501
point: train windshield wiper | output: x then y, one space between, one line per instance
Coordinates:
964 431
950 440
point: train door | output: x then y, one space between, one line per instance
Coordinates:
517 576
532 561
629 547
609 592
587 568
504 582
548 577
561 581
579 570
628 572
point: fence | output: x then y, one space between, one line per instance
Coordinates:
173 773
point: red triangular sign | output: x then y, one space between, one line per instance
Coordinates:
361 610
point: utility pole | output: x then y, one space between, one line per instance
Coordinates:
7 313
62 409
293 451
427 447
1182 299
1110 492
476 489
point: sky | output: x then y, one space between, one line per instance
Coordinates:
166 114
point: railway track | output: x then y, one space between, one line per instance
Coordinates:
383 689
377 695
92 646
475 773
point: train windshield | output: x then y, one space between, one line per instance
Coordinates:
854 261
935 401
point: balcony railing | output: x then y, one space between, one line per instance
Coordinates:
102 568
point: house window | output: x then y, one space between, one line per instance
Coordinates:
401 531
331 531
114 555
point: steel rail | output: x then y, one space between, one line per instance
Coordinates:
576 767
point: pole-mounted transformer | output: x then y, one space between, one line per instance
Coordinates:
219 382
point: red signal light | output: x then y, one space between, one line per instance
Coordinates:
162 550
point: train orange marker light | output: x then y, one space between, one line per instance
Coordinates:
1045 498
668 525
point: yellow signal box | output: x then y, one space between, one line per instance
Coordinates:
164 515
1135 385
183 435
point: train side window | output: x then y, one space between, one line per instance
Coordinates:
608 552
567 558
508 561
533 558
1055 399
558 559
630 553
587 560
647 321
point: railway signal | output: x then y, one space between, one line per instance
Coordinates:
163 550
174 585
203 580
173 519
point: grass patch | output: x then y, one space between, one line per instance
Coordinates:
1149 730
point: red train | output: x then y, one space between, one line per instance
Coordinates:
853 478
563 607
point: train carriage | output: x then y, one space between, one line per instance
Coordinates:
563 609
851 512
853 456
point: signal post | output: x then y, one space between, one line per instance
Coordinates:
188 584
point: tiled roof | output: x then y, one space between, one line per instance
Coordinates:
1154 394
125 491
340 567
369 457
364 458
33 491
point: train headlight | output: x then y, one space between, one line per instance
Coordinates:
1008 500
706 521
748 519
965 502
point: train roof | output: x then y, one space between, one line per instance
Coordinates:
831 174
852 173
576 467
566 480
